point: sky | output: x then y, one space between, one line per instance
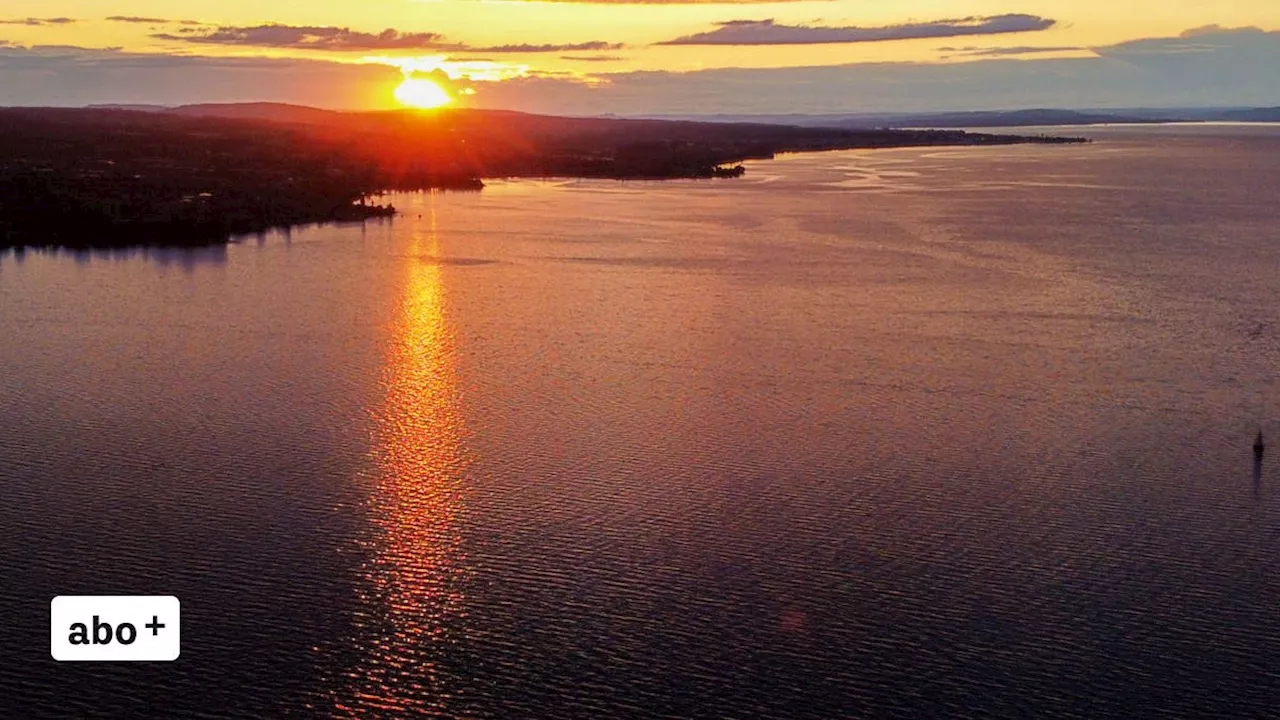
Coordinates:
635 57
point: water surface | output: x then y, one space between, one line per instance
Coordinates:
914 433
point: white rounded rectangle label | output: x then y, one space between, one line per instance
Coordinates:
114 627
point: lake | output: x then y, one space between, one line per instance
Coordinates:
947 432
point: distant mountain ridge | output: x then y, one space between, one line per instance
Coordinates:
1000 118
140 107
272 111
1255 115
284 112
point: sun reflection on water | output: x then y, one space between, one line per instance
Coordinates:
411 604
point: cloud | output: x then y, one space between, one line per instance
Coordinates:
440 78
344 39
1204 62
1234 67
592 45
1220 31
1006 51
136 19
1237 69
767 32
71 76
1207 39
592 58
40 21
308 37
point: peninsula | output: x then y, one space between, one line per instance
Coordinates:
113 177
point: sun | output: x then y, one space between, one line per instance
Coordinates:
419 93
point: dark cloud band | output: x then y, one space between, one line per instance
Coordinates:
137 19
308 37
40 21
592 58
593 45
767 32
336 39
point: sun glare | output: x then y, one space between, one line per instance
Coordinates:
419 93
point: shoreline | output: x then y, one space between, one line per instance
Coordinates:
117 179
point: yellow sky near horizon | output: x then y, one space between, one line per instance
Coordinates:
479 23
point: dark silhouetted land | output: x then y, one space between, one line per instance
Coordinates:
108 177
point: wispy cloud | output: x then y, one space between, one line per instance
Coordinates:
1006 51
140 20
39 21
308 37
592 58
592 45
768 32
336 39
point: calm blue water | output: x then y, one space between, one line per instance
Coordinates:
916 433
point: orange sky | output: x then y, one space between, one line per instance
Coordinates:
587 42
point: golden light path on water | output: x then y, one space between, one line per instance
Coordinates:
411 604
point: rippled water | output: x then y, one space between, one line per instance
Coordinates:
915 433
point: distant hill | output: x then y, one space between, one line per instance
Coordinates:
1000 118
505 130
1014 118
541 124
276 112
286 113
1254 115
137 107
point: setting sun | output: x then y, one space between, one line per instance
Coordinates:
419 93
